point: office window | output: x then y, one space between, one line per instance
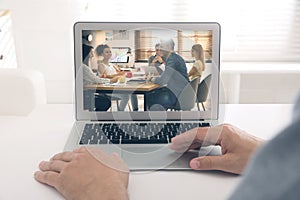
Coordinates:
255 30
145 42
7 45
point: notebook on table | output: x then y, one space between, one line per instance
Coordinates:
141 137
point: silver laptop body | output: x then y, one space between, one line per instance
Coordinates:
141 38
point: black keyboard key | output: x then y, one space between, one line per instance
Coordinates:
94 141
114 141
134 133
204 125
131 141
144 141
103 140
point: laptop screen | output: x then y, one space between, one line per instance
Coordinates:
146 71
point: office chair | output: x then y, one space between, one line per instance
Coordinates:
187 98
94 101
202 91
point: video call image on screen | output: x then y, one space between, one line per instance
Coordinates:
146 70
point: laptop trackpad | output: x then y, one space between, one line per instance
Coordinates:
162 158
148 158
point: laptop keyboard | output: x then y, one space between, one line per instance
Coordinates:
134 133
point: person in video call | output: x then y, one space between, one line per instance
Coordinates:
108 70
270 169
174 78
102 102
199 64
158 59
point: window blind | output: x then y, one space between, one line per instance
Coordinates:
254 31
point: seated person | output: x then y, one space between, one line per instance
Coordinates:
105 68
199 64
108 70
158 59
102 102
174 78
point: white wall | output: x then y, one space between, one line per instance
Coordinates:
260 82
44 39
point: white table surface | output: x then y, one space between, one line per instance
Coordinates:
25 141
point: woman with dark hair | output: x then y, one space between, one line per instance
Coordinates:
108 70
101 102
87 54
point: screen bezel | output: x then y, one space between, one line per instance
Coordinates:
81 114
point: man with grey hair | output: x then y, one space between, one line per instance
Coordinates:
158 59
174 78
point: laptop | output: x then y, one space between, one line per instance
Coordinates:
150 70
141 137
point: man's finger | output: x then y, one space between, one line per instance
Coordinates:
209 136
64 156
183 147
208 163
81 150
197 137
53 165
183 141
48 177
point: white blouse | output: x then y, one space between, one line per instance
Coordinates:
109 69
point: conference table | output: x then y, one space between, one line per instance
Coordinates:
25 141
124 88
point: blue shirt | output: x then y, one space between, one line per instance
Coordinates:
274 172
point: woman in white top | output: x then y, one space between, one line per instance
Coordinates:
108 70
199 65
105 68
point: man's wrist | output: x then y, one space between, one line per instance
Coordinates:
115 190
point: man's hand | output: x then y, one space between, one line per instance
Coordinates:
158 59
237 147
85 173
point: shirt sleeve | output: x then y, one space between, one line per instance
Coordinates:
91 78
167 74
150 60
296 113
273 173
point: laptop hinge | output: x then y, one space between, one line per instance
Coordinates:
146 120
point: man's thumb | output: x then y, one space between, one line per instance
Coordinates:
207 163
